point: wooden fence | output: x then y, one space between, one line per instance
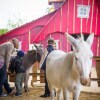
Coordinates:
35 74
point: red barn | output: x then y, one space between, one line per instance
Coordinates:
73 16
27 32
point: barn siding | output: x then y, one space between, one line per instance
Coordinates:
22 33
65 19
65 45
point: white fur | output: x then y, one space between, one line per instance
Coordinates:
66 71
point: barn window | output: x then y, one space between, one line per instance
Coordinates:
56 44
32 47
83 11
20 45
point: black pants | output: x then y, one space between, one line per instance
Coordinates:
47 91
4 81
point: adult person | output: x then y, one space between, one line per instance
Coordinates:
6 50
49 48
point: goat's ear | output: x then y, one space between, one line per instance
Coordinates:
36 46
90 39
72 40
82 37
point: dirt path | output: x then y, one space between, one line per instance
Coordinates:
88 93
37 91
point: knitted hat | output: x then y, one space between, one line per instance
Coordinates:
20 53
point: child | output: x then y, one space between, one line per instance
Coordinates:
19 69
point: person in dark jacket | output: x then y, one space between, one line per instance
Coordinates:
19 69
49 48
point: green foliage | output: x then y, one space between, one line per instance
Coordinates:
3 31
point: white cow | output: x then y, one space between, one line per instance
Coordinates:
67 71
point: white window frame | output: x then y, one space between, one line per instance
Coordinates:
57 42
20 45
32 47
83 11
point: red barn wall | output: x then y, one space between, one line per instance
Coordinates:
65 45
22 33
66 20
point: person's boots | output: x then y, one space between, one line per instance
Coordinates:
45 95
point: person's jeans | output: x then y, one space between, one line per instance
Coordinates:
2 75
18 82
3 80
